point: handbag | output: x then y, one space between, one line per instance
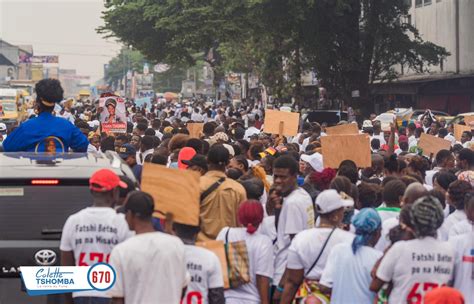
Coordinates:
237 262
308 292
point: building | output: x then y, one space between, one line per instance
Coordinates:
24 66
448 87
7 70
8 62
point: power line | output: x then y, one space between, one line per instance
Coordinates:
75 54
63 44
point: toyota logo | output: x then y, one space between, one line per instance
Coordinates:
45 257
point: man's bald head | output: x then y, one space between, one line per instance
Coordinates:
413 192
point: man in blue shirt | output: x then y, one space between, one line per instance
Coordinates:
129 154
36 131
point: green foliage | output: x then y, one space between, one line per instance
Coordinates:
348 43
126 60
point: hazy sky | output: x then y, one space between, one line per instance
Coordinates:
60 27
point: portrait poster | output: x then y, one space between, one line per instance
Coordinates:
113 117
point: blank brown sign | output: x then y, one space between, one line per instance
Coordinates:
459 129
290 121
346 129
337 148
195 129
431 144
468 120
174 191
218 248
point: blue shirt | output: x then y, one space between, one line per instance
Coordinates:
137 171
36 130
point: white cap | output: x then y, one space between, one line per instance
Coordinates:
3 127
367 124
329 200
94 123
315 160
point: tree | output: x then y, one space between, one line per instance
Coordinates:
126 60
363 41
350 44
173 31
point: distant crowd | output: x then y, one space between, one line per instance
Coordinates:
398 231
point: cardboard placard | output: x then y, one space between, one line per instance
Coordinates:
174 191
195 129
281 123
459 129
346 129
468 120
337 148
217 247
432 145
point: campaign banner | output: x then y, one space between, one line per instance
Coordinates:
44 280
38 59
141 102
110 128
113 117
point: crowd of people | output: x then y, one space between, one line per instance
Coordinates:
399 231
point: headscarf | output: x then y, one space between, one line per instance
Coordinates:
220 136
467 176
168 129
426 216
250 215
443 295
366 223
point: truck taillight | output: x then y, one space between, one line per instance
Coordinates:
44 182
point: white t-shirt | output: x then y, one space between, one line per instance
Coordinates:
464 265
158 134
451 138
150 268
205 270
91 149
91 234
307 245
349 275
387 225
380 137
260 251
412 141
297 214
196 117
454 218
267 227
461 228
387 212
429 176
415 267
304 144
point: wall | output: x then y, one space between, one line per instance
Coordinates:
466 27
437 23
3 74
9 51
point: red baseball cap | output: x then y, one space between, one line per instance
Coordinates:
105 180
186 153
